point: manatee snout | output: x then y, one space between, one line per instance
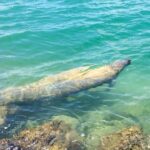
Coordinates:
125 62
120 64
128 61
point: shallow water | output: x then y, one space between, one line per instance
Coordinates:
41 38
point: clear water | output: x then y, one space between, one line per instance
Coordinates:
40 38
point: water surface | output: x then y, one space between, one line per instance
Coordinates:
41 38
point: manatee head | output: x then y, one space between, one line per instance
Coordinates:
121 64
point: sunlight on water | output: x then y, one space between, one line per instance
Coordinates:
42 38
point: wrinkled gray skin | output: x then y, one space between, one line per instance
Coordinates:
64 85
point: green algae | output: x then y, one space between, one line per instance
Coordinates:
55 135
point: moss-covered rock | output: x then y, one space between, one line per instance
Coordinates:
55 135
61 135
71 121
128 139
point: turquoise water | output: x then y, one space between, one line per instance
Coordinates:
40 38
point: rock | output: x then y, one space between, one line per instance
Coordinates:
99 123
71 121
60 135
128 139
56 135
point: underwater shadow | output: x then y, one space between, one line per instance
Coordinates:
33 113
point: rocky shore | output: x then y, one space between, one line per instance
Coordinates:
61 135
56 135
128 139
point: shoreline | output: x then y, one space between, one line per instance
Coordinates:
61 135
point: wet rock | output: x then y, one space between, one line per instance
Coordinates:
71 121
60 135
55 135
128 139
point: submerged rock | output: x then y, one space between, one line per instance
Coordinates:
128 139
56 135
71 121
61 135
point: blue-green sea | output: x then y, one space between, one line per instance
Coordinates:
41 38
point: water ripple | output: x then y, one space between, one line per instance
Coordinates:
41 38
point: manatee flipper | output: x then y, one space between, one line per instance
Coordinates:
111 83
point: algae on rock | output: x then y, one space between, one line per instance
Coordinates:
56 135
128 139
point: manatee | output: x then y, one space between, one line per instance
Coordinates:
65 83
